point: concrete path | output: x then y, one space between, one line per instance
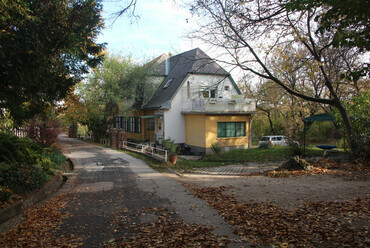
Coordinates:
107 181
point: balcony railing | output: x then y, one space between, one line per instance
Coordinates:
219 105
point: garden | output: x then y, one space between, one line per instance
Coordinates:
25 166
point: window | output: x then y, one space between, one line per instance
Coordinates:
230 129
120 122
209 93
137 124
124 124
150 124
168 83
117 122
130 124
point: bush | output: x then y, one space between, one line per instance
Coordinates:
264 145
295 149
14 149
46 165
170 146
216 148
24 178
5 194
25 165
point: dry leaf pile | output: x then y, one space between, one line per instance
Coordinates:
356 170
317 224
167 231
37 226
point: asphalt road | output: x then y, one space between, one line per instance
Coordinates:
108 186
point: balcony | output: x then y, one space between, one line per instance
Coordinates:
219 105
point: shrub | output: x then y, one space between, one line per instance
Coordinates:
24 177
5 194
295 149
14 149
264 145
216 148
49 135
170 146
46 165
55 156
25 165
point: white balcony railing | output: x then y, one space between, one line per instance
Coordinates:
219 105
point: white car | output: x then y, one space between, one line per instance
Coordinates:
276 140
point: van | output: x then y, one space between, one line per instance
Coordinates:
275 140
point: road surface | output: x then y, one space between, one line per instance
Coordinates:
110 189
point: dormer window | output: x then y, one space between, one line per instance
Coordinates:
168 83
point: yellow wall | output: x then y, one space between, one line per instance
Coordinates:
201 130
211 127
145 134
195 128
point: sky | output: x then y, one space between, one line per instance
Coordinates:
161 28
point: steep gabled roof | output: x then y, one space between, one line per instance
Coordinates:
193 61
158 65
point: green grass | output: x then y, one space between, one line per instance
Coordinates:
256 155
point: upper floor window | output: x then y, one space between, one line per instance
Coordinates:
209 93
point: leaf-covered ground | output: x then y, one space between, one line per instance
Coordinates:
37 227
167 230
357 170
317 224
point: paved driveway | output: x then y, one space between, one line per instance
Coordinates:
108 183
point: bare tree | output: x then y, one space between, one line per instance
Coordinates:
252 32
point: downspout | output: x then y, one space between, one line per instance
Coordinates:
250 132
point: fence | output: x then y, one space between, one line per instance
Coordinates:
21 132
105 142
154 152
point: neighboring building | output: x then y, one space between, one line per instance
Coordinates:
197 103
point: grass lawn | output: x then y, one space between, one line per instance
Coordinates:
256 155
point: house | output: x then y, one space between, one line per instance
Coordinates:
196 103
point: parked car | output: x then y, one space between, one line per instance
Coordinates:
276 140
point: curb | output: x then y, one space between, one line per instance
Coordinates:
46 191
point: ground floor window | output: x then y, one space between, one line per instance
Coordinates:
230 129
129 124
150 124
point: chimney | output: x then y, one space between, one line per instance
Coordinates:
168 65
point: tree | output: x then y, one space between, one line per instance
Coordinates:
252 31
45 48
72 112
113 88
349 19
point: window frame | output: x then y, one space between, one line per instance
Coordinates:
231 129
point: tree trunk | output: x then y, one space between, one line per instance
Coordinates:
271 123
355 149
